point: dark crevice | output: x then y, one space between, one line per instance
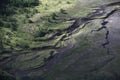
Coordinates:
69 30
113 4
107 39
78 21
103 26
76 25
109 14
98 12
49 47
106 35
43 48
95 14
107 42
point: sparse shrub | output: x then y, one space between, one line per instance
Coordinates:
14 26
1 23
30 21
6 11
20 3
68 2
1 39
46 8
7 6
23 43
63 11
54 15
41 32
28 16
59 2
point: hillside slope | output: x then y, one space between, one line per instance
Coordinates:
61 40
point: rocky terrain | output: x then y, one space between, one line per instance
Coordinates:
87 49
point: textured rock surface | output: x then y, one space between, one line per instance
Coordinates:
94 56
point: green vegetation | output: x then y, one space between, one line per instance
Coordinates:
32 30
9 7
6 76
20 3
22 25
